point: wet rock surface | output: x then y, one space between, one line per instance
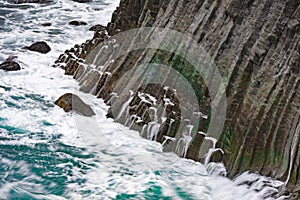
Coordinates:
97 28
10 66
47 24
77 23
82 1
41 47
255 45
71 102
42 1
30 1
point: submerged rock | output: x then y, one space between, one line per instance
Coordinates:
41 47
77 23
71 102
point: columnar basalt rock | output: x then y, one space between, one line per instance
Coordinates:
256 47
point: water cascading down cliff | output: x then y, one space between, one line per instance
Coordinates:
254 46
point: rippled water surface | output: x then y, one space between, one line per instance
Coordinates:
46 153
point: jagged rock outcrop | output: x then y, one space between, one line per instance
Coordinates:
255 45
71 102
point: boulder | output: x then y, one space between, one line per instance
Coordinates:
10 65
31 1
77 23
41 47
46 24
71 102
82 1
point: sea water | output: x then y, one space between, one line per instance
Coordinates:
46 153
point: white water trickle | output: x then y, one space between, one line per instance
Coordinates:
143 129
170 126
94 88
152 130
210 153
166 139
200 114
108 74
125 105
183 143
96 58
113 96
133 119
294 149
154 117
212 149
82 74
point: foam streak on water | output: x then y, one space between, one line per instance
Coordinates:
46 153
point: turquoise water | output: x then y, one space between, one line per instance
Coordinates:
46 153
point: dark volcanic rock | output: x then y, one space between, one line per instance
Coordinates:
46 24
77 23
41 47
71 101
255 45
10 66
82 1
31 1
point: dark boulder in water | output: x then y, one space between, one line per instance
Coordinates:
77 23
10 66
46 24
31 1
41 47
82 1
71 102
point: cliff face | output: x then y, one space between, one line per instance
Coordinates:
255 45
